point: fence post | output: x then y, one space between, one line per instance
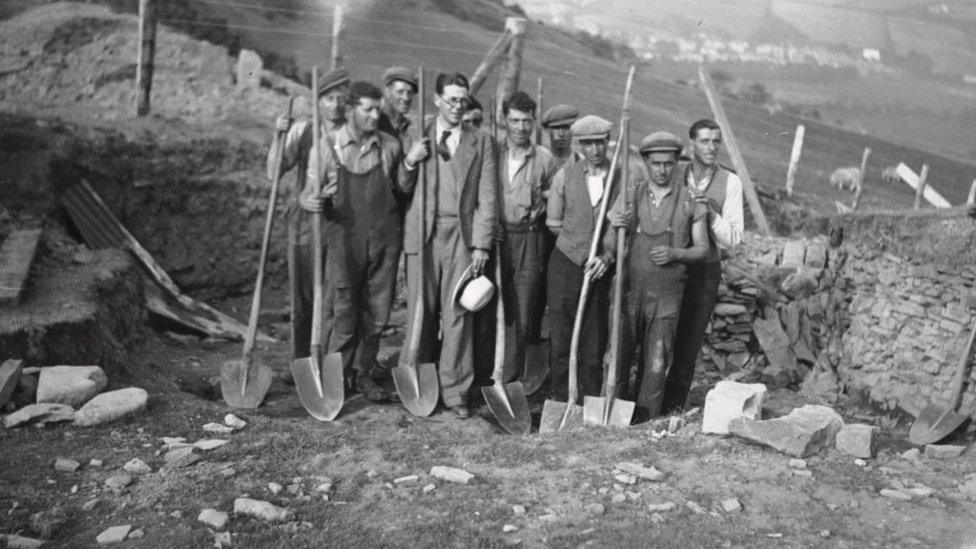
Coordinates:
920 190
795 158
147 52
336 36
860 186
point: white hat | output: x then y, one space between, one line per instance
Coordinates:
472 293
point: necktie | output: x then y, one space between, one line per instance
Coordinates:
442 148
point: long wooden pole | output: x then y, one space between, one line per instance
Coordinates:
920 190
492 58
740 164
860 185
972 194
795 158
511 70
147 52
538 112
337 36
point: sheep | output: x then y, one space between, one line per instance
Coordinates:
890 175
846 178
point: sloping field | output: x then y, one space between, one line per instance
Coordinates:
832 25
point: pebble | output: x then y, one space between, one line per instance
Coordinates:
429 488
618 498
118 482
518 510
797 463
639 471
661 507
509 528
213 518
860 462
802 473
176 514
825 534
89 505
207 444
895 494
603 491
324 487
66 465
115 534
911 454
137 467
136 534
222 539
731 505
548 517
74 489
217 429
275 488
261 510
625 478
595 509
920 491
451 474
695 507
234 422
95 463
402 480
172 443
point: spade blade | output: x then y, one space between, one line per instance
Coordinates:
244 384
508 404
559 416
536 367
418 387
595 412
320 385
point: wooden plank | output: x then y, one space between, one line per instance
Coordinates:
9 378
146 55
931 195
923 179
337 28
972 194
16 257
740 164
795 158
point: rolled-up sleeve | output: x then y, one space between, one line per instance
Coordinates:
556 203
727 226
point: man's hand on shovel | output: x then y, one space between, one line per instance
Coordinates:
595 268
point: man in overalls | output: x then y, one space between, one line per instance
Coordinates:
720 190
668 232
574 204
364 233
295 154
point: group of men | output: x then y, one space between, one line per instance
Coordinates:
504 198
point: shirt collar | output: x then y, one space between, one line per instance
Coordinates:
441 128
344 138
527 152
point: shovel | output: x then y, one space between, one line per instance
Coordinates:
416 383
536 367
243 384
318 379
505 400
557 416
935 423
608 410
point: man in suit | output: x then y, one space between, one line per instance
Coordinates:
460 221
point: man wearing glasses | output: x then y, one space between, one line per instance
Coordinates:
720 191
667 233
525 173
460 222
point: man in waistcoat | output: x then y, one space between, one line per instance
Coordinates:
365 233
720 190
295 154
667 232
572 210
525 172
459 225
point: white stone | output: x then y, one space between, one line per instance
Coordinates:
39 412
275 488
640 471
518 510
697 509
857 439
451 474
797 463
137 467
401 480
95 463
625 478
217 429
136 534
111 406
261 510
177 453
213 518
509 528
14 541
661 507
118 482
895 494
208 444
71 385
730 400
115 534
234 422
66 465
731 505
429 488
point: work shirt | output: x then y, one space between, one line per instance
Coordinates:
296 153
728 223
526 174
376 148
669 217
400 129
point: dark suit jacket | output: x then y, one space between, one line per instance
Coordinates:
474 164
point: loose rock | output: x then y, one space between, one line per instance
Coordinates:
47 523
111 406
698 509
66 465
14 541
618 498
797 463
858 440
275 488
943 451
213 518
46 412
261 510
136 534
71 385
661 507
805 431
895 494
118 482
509 528
595 509
217 429
234 422
639 471
730 400
912 454
429 488
208 444
625 478
731 505
518 510
115 534
95 463
137 467
401 480
451 474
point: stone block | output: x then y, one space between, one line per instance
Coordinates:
858 440
730 400
46 412
249 66
794 252
111 406
261 510
71 385
213 518
943 451
113 535
804 432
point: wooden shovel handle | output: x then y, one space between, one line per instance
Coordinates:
960 379
417 320
498 374
316 340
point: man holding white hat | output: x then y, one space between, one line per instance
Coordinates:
574 204
668 232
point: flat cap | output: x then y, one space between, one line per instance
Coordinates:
560 115
333 79
400 73
660 142
591 127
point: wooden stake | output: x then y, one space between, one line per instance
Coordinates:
740 164
920 190
795 158
508 78
492 58
538 112
860 186
147 52
336 36
972 194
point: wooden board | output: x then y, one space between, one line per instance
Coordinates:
16 257
930 195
